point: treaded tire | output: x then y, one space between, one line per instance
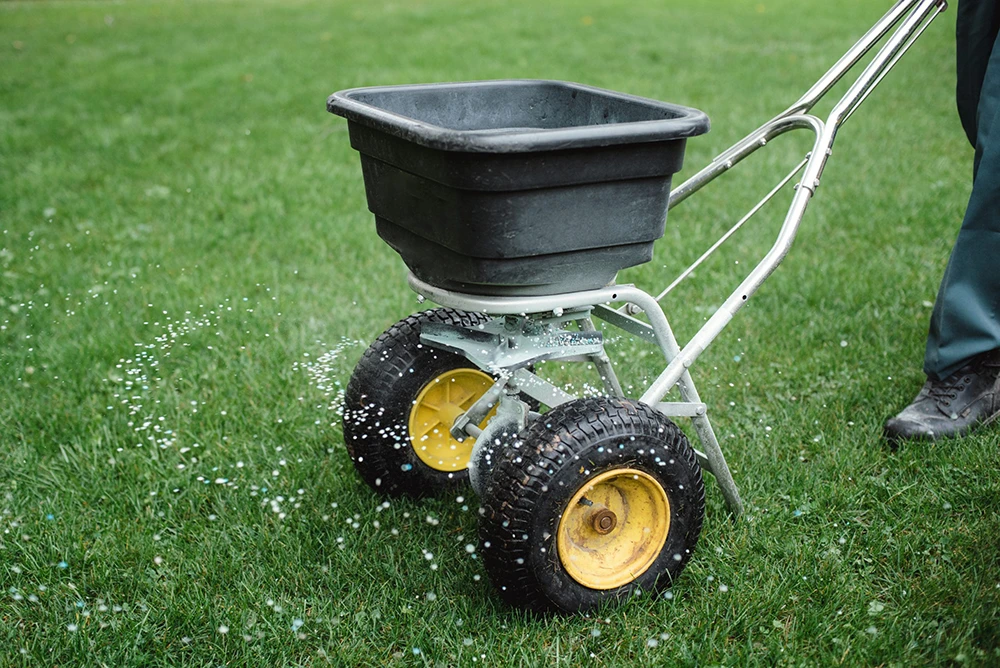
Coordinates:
554 458
379 396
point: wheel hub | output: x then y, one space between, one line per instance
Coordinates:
613 528
434 411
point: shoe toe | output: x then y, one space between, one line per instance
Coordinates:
902 428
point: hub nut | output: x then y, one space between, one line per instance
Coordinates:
604 521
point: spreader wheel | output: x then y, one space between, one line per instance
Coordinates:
601 497
401 402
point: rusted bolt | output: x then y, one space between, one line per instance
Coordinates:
604 521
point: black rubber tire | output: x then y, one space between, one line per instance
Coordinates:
378 400
542 470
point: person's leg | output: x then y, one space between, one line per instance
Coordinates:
962 358
975 35
965 321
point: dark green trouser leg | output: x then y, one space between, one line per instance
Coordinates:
966 317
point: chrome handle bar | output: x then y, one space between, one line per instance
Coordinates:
918 14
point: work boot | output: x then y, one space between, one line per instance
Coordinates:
953 406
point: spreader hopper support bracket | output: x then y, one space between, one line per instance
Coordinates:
514 342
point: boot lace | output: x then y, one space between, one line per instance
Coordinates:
946 391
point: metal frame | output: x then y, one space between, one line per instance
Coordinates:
533 327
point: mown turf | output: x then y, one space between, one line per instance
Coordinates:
188 273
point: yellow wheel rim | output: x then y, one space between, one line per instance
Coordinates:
434 411
613 528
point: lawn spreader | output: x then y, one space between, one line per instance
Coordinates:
514 204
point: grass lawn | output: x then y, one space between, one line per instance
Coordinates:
188 273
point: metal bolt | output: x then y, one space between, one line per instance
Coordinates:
604 521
